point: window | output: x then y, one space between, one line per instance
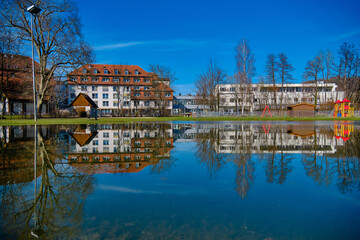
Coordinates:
232 100
94 88
94 95
137 95
95 142
146 88
94 79
137 88
84 71
106 71
167 95
105 96
83 88
116 71
147 94
115 104
127 89
105 79
232 89
126 80
115 80
95 71
147 103
106 142
126 103
105 134
223 89
127 72
137 72
105 103
136 80
146 80
115 96
105 89
115 89
84 79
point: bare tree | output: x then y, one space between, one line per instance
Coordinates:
285 68
271 71
245 69
312 70
346 58
207 83
57 36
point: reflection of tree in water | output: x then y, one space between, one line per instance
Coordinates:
277 166
56 209
344 168
241 156
206 152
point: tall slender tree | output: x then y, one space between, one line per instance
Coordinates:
245 69
312 70
285 68
271 72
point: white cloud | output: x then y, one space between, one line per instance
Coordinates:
343 36
117 45
162 45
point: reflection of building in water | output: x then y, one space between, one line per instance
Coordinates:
120 148
17 154
236 138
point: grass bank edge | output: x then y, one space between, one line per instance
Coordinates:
115 120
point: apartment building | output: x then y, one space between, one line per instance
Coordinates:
124 90
255 97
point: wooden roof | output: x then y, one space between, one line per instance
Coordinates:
300 104
83 99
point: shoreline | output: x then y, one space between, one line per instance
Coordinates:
120 120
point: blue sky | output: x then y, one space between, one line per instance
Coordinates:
186 34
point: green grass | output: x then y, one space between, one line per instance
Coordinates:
114 120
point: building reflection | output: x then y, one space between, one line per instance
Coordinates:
325 156
127 148
39 199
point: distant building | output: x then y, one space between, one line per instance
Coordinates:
188 104
256 96
125 90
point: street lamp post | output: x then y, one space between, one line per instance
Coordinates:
34 11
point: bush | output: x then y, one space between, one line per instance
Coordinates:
83 114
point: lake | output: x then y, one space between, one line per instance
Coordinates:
181 180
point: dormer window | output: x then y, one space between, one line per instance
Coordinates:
95 71
116 71
84 71
127 72
136 72
106 71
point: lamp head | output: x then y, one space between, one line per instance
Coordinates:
33 10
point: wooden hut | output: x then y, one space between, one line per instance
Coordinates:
301 110
84 104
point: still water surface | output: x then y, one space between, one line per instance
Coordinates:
181 181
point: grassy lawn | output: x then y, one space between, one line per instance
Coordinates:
115 120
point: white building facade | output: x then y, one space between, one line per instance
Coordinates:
256 96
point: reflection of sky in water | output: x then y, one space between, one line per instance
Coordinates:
185 202
246 196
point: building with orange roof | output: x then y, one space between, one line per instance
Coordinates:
16 85
122 90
